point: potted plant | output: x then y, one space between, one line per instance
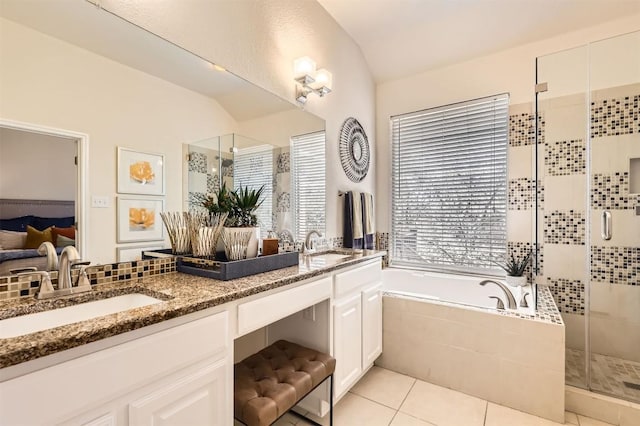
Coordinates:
242 215
515 267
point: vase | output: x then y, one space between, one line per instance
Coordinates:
252 248
516 281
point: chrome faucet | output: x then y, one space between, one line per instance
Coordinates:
511 300
45 290
308 241
68 255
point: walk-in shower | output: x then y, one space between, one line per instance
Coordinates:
588 221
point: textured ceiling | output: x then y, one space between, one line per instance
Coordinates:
405 37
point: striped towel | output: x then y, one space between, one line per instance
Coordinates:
352 220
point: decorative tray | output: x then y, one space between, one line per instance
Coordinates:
223 269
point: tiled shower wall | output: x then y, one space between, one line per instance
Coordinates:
202 177
571 260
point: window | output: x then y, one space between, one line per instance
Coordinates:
252 168
449 186
308 183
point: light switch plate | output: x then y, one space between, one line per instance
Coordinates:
100 201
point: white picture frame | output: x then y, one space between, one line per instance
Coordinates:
140 172
134 253
138 219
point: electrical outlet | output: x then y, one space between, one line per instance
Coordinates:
100 201
309 313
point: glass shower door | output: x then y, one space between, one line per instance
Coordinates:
562 104
614 159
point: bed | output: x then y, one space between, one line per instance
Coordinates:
31 221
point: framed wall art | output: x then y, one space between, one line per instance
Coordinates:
140 172
139 219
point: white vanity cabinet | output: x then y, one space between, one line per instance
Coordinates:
357 323
180 375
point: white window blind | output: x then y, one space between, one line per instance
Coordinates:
308 183
253 167
449 186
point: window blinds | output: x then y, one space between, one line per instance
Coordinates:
449 186
253 167
308 183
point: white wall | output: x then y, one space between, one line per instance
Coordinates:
52 83
36 167
258 40
511 70
277 129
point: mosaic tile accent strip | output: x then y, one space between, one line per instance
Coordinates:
521 248
12 287
383 243
568 295
613 117
197 162
611 192
564 227
284 163
521 194
565 157
522 129
615 265
608 373
213 183
547 311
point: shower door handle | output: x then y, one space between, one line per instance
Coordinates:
605 225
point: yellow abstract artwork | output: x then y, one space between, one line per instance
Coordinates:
142 172
141 219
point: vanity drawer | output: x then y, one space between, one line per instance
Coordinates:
265 310
346 282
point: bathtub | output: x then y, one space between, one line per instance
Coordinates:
457 289
444 329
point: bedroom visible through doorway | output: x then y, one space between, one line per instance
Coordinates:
39 191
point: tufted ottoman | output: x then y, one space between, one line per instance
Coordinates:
272 381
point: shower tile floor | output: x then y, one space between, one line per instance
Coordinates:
608 374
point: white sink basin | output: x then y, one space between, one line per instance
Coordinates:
25 324
325 259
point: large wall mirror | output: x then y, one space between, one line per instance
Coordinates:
75 68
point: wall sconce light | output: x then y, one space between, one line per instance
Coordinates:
308 80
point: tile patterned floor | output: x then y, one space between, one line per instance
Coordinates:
386 398
608 374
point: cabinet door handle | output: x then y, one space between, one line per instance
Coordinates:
605 225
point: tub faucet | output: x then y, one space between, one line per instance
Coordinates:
308 241
507 292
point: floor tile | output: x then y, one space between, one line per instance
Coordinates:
587 421
497 415
443 407
384 386
570 418
354 410
402 419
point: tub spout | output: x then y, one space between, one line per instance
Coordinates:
511 300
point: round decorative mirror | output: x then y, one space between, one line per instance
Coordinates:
354 150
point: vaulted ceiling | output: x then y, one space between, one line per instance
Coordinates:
405 37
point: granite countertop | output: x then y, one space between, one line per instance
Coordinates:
181 294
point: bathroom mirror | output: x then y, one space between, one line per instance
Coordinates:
72 66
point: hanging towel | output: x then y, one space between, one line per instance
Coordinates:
368 221
352 220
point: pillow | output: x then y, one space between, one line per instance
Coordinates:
18 224
46 222
63 241
70 233
35 237
10 240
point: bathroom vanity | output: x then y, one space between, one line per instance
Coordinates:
172 362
